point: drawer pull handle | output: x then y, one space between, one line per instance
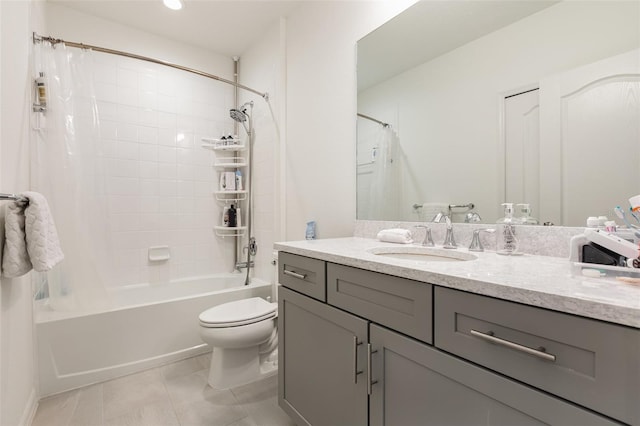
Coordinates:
370 382
355 359
489 337
295 274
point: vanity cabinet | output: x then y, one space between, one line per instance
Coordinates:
367 355
321 361
420 385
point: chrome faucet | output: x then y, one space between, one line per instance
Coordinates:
438 217
449 240
476 245
428 239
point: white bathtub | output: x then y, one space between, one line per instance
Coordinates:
150 325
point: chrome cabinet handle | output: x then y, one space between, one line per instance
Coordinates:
370 382
355 359
489 337
294 274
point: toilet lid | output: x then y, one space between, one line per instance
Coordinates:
238 312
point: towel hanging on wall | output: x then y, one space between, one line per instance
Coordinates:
31 239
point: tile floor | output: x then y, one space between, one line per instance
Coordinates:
172 395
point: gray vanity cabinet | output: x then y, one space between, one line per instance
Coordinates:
321 360
416 384
360 349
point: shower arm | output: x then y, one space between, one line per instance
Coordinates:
39 39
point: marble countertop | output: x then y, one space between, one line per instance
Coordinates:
534 280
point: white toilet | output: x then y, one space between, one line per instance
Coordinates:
244 337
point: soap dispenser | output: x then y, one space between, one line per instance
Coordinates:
507 242
525 217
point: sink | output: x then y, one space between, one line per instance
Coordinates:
423 254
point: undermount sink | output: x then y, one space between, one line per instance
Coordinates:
423 254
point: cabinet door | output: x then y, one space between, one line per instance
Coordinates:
321 358
420 385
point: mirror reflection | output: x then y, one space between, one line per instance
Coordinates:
469 104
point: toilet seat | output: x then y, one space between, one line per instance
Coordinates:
237 313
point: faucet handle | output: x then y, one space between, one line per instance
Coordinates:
428 239
449 240
476 245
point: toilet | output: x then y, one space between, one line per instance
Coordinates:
244 337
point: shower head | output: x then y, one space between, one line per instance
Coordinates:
238 115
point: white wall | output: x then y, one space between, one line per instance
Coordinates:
18 396
446 110
262 68
321 111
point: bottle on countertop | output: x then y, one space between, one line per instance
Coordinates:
507 242
525 215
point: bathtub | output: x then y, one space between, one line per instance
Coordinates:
150 325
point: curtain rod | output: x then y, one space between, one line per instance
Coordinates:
382 123
39 39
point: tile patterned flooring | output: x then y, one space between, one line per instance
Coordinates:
172 395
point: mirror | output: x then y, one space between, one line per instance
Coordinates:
464 105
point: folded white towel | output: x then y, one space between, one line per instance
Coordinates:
395 235
31 237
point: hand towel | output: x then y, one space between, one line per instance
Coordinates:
31 237
395 235
15 258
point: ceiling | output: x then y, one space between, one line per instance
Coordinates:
222 26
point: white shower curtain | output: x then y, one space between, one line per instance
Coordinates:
386 187
67 167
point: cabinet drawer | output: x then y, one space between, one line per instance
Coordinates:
303 274
416 384
592 363
398 303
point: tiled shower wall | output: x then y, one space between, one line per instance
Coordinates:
159 180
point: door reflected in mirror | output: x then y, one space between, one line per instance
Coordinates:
525 102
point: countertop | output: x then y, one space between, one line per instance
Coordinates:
541 281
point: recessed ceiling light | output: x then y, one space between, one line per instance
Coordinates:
173 4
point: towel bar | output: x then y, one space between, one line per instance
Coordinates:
12 197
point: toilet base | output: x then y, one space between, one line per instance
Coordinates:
236 367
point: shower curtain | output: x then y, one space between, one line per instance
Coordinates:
67 167
385 192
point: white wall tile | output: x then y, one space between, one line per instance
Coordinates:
147 99
148 135
148 153
148 169
148 117
127 132
127 78
166 154
167 171
127 114
106 92
167 137
127 150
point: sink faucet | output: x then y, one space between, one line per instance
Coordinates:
428 239
476 244
449 240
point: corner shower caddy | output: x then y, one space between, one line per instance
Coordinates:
223 162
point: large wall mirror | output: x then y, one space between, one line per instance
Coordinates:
464 105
